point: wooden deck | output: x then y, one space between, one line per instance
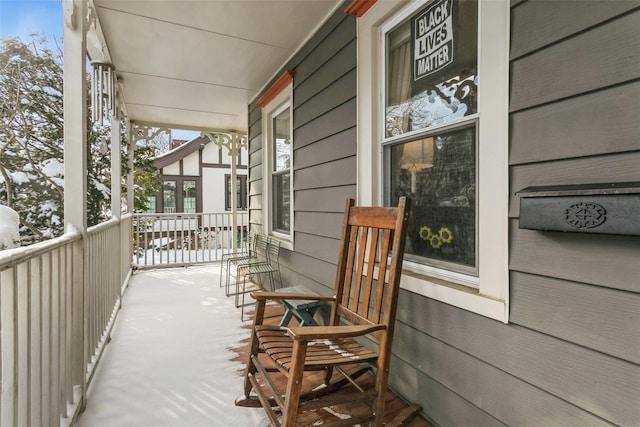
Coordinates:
394 407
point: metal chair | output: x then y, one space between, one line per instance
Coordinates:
253 273
245 253
258 255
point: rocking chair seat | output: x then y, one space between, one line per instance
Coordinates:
321 353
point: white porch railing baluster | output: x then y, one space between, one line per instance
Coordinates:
167 240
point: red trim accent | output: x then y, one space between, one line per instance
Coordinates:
359 7
283 81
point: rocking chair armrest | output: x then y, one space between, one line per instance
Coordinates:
308 333
262 295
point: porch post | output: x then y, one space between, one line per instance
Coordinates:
75 173
131 152
233 142
233 150
116 169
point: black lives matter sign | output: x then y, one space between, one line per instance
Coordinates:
432 39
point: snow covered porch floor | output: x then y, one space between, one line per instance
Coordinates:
170 360
176 358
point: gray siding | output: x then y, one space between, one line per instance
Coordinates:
324 138
570 355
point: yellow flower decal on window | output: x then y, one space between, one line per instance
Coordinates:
435 241
445 234
425 233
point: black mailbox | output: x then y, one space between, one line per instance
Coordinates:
596 208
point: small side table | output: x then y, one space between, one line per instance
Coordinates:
303 310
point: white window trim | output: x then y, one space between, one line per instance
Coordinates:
283 100
491 298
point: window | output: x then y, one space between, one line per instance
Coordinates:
278 161
180 195
189 196
169 196
429 137
433 126
241 192
281 172
150 206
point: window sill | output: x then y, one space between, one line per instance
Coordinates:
460 296
285 241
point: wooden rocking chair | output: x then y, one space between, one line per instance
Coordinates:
364 304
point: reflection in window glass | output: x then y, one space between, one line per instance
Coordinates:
169 196
281 215
281 175
431 74
150 206
189 196
282 141
439 173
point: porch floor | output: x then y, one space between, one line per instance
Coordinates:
175 358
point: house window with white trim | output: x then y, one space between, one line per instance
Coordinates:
430 116
278 162
438 133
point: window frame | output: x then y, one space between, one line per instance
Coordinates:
489 294
281 102
179 194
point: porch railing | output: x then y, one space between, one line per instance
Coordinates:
185 238
41 322
108 266
53 328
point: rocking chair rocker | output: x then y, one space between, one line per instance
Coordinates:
363 305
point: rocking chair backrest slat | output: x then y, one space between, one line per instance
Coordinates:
362 250
368 243
347 273
382 273
373 247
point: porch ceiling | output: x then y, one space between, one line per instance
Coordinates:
198 63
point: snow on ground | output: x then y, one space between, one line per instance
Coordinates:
169 363
9 228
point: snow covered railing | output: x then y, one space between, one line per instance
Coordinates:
185 238
41 346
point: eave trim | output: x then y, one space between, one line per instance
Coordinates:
359 7
283 81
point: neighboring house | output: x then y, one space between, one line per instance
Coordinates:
462 105
196 177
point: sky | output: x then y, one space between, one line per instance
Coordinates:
19 18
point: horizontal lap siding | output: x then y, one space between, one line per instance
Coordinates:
602 56
515 374
570 353
324 150
574 298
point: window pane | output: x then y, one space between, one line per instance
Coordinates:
239 182
169 196
281 202
432 67
151 204
189 196
439 173
282 142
